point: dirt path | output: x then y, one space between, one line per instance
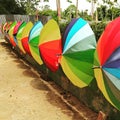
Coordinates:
25 96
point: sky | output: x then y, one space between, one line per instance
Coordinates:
83 5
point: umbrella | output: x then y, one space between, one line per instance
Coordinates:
16 30
11 37
50 44
77 58
8 26
6 30
107 63
4 27
34 40
25 35
19 36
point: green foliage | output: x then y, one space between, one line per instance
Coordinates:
11 7
109 11
105 14
102 12
49 12
84 15
69 13
63 27
3 10
115 13
46 0
30 6
98 28
69 1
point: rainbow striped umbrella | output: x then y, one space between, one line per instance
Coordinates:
25 37
15 31
8 26
6 30
50 45
77 58
4 27
107 63
11 37
79 45
19 36
34 41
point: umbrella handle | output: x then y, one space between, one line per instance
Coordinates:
58 55
96 67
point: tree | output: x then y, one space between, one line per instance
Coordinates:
102 12
93 3
30 5
115 11
49 12
11 7
111 5
76 8
58 9
3 10
69 13
46 7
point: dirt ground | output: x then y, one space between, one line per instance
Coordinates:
26 96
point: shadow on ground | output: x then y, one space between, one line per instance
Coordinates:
56 100
52 96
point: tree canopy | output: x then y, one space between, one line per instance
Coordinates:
11 7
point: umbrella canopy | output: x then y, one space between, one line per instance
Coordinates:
50 44
25 35
34 41
4 27
77 58
16 30
11 37
6 30
107 63
19 36
8 26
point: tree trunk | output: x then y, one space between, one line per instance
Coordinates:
96 17
58 9
92 9
76 8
